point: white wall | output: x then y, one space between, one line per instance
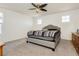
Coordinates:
56 19
15 25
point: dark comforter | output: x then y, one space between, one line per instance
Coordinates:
44 34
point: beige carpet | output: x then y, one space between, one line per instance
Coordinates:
21 48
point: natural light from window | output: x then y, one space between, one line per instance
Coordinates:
1 21
39 21
65 18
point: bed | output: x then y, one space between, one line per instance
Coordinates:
48 37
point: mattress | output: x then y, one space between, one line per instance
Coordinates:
41 42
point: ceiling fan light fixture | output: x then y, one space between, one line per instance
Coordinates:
38 11
39 8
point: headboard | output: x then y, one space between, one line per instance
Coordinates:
51 27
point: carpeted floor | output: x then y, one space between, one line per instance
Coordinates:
21 48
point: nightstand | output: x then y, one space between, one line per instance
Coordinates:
75 41
1 48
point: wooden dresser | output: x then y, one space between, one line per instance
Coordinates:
1 48
75 41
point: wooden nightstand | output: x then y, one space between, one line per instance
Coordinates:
75 41
1 48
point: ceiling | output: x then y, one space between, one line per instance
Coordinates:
51 7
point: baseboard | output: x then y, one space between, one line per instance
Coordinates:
14 40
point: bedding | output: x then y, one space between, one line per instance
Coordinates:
51 35
43 33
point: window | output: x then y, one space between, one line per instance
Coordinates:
1 21
65 18
39 21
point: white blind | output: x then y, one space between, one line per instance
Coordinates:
65 18
1 22
39 21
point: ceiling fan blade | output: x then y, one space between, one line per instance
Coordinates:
43 5
34 5
32 8
43 10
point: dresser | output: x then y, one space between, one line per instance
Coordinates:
1 48
75 41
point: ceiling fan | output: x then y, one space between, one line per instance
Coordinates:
39 7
